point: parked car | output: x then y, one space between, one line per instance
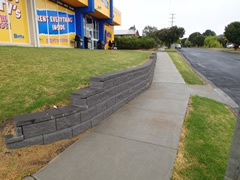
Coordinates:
178 46
230 45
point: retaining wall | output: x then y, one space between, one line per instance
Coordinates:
107 93
233 167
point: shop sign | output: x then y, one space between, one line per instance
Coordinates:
13 21
4 22
109 34
11 8
53 22
106 3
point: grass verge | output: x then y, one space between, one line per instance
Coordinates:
170 50
205 141
187 73
35 78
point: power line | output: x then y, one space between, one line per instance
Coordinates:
172 18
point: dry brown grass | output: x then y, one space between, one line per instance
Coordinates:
18 163
181 162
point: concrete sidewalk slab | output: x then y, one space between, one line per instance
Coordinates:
138 141
169 106
101 157
163 92
166 71
204 91
145 126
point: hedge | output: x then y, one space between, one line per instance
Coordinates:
135 43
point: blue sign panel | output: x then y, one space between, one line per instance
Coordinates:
54 23
42 21
71 26
63 25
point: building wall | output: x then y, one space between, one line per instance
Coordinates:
50 23
14 22
116 16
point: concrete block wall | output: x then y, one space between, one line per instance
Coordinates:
106 94
233 167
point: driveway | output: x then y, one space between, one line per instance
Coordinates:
221 68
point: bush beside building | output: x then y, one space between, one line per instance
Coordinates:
135 43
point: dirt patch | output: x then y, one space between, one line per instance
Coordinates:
18 163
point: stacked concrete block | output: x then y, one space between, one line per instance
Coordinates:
106 94
233 167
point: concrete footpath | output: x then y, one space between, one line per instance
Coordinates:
139 141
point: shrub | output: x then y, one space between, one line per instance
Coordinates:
135 43
212 42
187 43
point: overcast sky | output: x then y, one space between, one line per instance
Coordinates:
192 15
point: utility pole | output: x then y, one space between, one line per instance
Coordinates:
172 18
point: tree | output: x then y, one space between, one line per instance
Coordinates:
197 39
222 40
209 32
232 33
170 35
188 43
133 28
212 42
183 42
151 32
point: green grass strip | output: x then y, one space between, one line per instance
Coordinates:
209 130
34 78
170 50
187 73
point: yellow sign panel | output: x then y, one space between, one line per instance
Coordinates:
13 21
56 24
109 33
41 4
77 3
4 25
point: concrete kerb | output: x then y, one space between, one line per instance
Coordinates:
232 105
88 107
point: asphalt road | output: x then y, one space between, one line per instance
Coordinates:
221 68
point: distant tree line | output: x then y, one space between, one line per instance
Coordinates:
209 39
166 36
151 37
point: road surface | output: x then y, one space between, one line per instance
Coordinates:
221 68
